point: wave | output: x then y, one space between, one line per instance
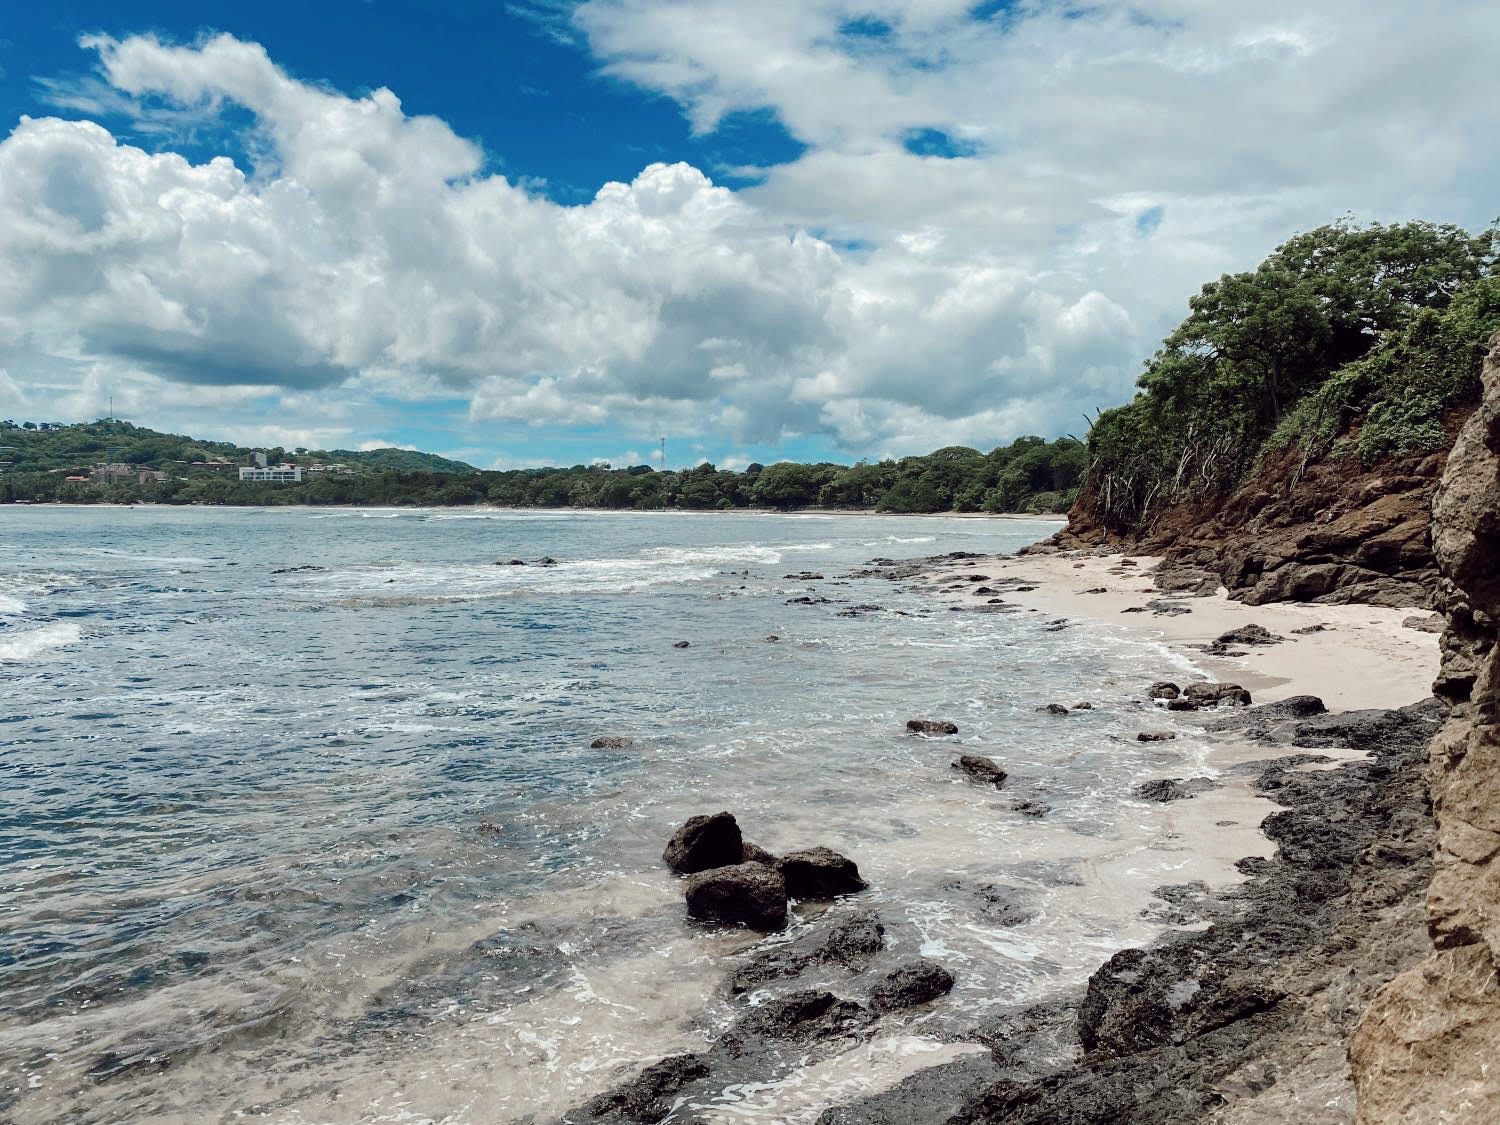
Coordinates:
36 643
11 607
132 556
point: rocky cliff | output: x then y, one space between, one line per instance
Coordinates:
1426 1048
1325 531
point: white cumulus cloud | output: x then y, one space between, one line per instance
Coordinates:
1083 170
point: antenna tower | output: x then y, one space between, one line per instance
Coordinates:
663 454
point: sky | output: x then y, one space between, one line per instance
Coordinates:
546 232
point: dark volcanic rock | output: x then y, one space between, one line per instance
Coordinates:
819 873
1262 1000
931 726
852 944
754 853
796 1018
804 576
1155 736
705 842
808 599
919 982
1183 704
1435 623
981 769
682 644
1250 635
1031 808
1162 607
1054 709
512 562
1164 690
752 895
612 742
647 1097
1174 788
1187 579
1205 692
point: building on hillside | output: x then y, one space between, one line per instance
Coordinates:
278 474
112 473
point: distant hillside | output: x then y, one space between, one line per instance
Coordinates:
43 447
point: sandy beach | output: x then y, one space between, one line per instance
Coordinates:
1362 657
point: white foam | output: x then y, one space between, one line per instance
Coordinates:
36 643
11 607
110 552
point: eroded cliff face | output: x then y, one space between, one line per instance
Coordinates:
1428 1047
1322 531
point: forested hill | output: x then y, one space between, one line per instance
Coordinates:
1288 435
1027 475
32 447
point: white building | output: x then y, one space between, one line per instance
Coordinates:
280 474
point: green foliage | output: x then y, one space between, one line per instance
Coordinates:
1028 475
1396 427
1333 325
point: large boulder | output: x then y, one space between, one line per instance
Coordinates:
705 842
752 895
820 873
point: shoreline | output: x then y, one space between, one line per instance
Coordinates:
1362 657
1049 517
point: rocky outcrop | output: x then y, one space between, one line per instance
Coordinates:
1324 531
705 842
1247 1021
820 873
1424 1050
753 895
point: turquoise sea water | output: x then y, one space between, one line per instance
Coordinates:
330 844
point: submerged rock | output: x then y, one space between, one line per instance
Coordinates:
682 644
753 895
851 944
799 1017
1054 709
647 1097
705 842
820 873
612 742
981 769
931 726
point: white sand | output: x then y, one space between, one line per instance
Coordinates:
1364 658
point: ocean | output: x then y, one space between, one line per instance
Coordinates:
301 822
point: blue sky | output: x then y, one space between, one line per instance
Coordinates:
551 232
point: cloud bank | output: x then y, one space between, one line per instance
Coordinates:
999 210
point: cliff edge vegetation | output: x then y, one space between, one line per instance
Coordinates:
1289 433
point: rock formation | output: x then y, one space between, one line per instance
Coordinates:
1425 1048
